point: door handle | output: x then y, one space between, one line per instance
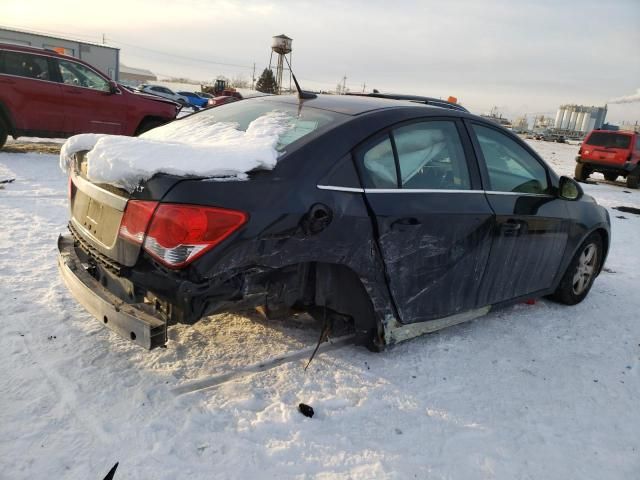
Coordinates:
7 81
74 92
401 223
511 228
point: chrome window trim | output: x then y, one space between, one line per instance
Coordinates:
425 190
495 192
419 190
340 189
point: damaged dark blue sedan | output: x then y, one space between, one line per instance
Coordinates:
402 218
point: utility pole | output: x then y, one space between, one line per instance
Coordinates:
103 39
344 84
364 86
253 76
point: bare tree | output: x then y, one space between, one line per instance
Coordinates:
239 81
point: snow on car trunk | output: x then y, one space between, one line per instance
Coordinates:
206 148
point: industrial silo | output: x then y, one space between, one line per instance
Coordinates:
579 119
567 116
572 119
559 116
600 114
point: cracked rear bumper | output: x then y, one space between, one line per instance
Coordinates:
136 322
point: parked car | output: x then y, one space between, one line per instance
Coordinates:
204 95
403 218
46 94
164 92
612 153
221 100
194 99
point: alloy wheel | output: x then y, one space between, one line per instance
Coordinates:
586 269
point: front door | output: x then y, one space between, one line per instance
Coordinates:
531 229
433 221
90 106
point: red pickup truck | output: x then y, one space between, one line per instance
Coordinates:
46 94
612 153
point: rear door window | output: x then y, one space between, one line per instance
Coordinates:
510 167
380 165
26 65
430 156
609 140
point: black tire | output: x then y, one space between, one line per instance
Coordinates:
633 181
147 125
582 172
4 132
581 272
610 177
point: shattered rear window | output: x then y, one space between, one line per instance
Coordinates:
303 120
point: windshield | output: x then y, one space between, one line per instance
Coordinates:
301 121
609 140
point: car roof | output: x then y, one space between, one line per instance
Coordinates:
41 51
616 132
348 104
436 102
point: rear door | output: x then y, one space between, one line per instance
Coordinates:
90 106
31 93
433 220
531 230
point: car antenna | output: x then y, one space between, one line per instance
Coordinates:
301 93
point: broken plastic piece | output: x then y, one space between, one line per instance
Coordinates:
306 410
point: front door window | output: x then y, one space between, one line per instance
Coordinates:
78 75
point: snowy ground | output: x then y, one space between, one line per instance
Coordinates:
531 392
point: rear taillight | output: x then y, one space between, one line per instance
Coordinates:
176 234
136 219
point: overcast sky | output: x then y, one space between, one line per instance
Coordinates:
521 56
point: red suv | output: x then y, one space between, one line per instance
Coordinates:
45 94
612 154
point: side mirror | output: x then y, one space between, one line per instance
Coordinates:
113 88
569 189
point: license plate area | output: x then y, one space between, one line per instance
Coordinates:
97 221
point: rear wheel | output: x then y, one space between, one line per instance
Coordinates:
610 177
581 273
633 180
148 124
4 132
582 172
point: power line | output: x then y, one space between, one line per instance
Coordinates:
184 57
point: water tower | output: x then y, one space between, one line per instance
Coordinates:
281 46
